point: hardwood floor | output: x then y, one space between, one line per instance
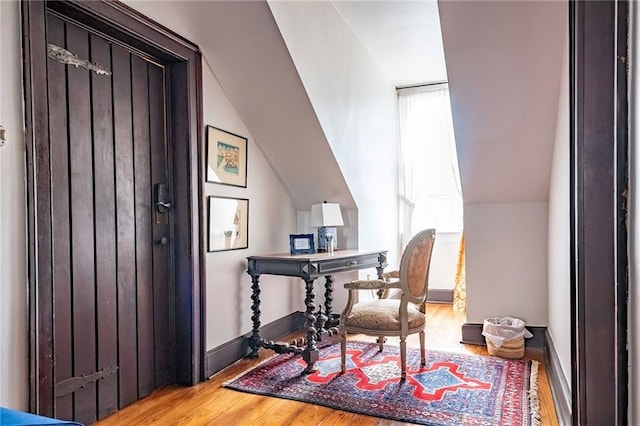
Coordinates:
210 404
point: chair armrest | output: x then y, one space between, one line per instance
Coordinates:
391 274
370 285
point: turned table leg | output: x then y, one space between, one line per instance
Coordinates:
328 300
255 341
381 292
311 352
381 295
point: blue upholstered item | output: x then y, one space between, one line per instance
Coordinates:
18 418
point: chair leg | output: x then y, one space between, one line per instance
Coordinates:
381 342
343 351
403 356
423 359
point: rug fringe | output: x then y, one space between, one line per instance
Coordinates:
534 401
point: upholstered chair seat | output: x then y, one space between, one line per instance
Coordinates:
393 317
383 315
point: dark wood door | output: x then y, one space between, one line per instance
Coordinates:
111 244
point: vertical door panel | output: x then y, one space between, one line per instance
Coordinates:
105 227
41 297
162 301
125 224
82 225
61 235
142 176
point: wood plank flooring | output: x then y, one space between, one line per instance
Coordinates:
210 404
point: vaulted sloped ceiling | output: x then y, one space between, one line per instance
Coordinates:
503 61
241 43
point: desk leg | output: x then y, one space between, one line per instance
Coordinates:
380 270
328 300
381 292
255 341
311 352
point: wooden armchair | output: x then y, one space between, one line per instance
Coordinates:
393 317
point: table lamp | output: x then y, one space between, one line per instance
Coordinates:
326 217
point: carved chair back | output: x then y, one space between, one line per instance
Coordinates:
414 266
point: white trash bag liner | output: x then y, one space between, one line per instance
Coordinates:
499 329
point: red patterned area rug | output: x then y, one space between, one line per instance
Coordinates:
451 389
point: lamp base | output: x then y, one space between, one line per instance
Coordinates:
323 231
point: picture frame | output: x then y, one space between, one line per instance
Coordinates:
301 244
226 158
228 223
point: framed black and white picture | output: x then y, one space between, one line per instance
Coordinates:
228 223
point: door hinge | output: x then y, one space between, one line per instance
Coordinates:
72 384
59 54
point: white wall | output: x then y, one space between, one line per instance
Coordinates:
272 216
559 290
503 62
13 272
357 107
444 264
506 262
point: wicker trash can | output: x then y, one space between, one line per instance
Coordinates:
513 348
505 336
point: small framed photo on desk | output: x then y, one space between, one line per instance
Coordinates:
301 244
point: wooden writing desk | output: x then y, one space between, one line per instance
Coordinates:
308 267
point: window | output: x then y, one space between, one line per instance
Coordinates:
430 190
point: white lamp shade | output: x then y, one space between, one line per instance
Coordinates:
326 214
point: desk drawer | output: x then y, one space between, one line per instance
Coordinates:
349 264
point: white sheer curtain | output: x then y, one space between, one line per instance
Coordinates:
430 191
